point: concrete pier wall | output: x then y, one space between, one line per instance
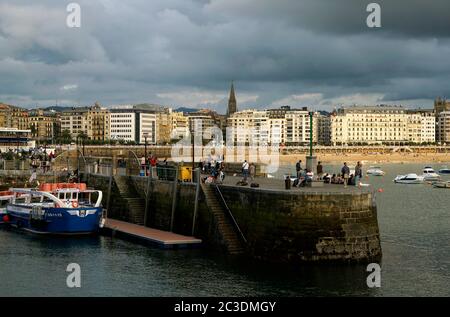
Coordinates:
280 226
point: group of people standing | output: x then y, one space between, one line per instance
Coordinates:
351 179
345 177
248 171
216 170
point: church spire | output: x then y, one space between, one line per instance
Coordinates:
232 104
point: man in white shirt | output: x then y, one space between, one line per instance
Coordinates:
245 168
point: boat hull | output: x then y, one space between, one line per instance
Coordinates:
441 185
82 220
408 182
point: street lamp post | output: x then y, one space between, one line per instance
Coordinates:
193 148
145 134
311 160
145 144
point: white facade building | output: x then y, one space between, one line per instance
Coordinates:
389 125
133 124
369 125
147 127
275 126
123 126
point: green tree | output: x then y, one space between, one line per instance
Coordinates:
65 137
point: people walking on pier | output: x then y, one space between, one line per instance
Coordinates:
298 168
345 171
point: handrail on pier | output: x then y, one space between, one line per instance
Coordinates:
230 214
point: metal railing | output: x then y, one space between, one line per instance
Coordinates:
230 214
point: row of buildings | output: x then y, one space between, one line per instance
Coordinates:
155 124
355 125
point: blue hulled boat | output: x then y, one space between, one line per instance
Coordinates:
55 209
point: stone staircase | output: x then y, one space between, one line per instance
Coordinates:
227 231
136 205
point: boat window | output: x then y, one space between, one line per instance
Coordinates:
36 199
20 200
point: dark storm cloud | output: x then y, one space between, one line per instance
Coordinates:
186 52
415 18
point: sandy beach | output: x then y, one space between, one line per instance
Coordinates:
372 158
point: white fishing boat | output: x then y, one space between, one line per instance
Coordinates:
409 179
375 171
55 208
430 175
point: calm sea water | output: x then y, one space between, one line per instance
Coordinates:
415 233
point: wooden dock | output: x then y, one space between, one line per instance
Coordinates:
160 238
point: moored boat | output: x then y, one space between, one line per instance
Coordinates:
444 170
441 184
430 175
375 171
409 179
61 208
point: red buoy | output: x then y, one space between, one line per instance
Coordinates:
380 190
5 218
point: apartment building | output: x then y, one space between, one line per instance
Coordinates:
274 126
44 125
421 126
133 123
382 125
369 125
443 127
94 122
74 121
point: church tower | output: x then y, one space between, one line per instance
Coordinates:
232 105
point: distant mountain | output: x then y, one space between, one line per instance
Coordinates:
57 108
186 110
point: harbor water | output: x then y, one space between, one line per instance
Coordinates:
414 225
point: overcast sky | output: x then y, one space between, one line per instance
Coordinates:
186 52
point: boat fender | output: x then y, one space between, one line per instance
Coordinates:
74 204
5 218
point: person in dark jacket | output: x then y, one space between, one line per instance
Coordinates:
345 171
319 170
298 168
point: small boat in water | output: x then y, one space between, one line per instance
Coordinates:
444 170
430 175
375 171
409 179
441 184
62 208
